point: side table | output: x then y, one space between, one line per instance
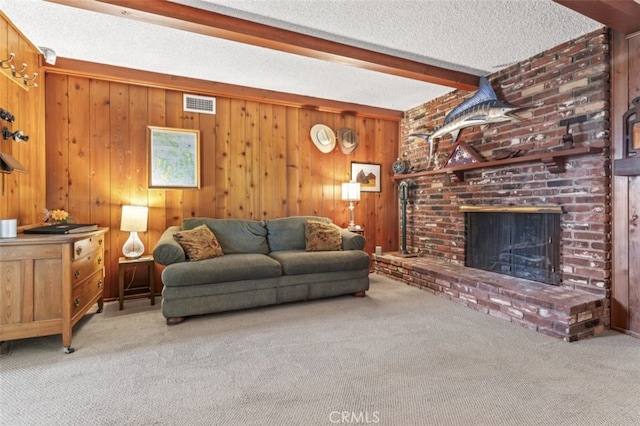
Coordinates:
123 264
357 230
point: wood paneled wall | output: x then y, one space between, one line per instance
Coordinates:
625 304
22 195
257 161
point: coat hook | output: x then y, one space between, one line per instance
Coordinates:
19 73
6 116
17 135
26 80
6 63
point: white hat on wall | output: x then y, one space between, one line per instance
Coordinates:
323 137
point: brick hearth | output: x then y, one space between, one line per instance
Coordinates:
561 312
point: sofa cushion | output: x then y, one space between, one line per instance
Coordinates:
287 233
230 267
298 262
234 235
199 243
320 236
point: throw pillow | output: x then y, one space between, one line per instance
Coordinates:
199 243
322 236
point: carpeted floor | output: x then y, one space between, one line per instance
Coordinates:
399 356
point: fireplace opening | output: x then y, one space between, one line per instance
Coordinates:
524 245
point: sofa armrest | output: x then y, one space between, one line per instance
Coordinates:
352 240
167 250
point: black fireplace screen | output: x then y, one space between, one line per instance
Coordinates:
524 245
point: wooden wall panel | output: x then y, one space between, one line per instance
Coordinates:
251 145
57 141
100 160
257 161
625 292
21 194
79 149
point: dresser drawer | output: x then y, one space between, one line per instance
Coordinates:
87 245
86 291
84 267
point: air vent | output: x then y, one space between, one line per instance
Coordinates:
203 104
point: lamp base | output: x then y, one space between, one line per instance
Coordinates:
133 247
352 221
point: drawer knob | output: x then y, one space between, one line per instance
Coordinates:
76 274
99 260
100 242
76 302
99 283
78 250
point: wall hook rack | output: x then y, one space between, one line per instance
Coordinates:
18 76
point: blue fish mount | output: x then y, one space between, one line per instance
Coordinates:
481 109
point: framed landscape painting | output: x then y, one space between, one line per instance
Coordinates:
174 158
367 174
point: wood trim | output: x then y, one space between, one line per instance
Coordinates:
620 185
73 67
512 209
554 160
174 15
621 15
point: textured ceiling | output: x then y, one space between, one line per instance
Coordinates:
478 37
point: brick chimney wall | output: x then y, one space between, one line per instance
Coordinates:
569 80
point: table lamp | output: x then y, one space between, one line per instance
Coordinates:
134 220
351 193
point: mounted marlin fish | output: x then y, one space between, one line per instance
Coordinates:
481 109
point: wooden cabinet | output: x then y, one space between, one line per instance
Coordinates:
48 282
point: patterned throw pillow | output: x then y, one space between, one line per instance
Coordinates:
199 243
322 236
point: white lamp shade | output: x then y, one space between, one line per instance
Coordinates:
351 191
134 218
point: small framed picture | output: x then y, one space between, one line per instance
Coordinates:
368 174
174 158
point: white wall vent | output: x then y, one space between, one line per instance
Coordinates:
203 104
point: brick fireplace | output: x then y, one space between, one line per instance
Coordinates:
568 81
520 241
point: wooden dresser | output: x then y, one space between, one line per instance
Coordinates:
48 282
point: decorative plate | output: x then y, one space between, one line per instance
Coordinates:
399 166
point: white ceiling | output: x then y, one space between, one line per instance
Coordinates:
474 36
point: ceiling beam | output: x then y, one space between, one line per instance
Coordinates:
178 16
621 15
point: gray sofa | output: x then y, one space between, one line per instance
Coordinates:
264 263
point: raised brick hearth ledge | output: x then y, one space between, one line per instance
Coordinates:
560 312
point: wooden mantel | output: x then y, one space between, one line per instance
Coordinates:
554 160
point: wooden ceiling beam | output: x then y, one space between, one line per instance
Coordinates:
621 15
178 16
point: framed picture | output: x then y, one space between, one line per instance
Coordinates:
174 158
367 174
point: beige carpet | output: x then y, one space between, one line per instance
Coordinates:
400 356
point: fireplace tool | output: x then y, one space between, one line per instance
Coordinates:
403 193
